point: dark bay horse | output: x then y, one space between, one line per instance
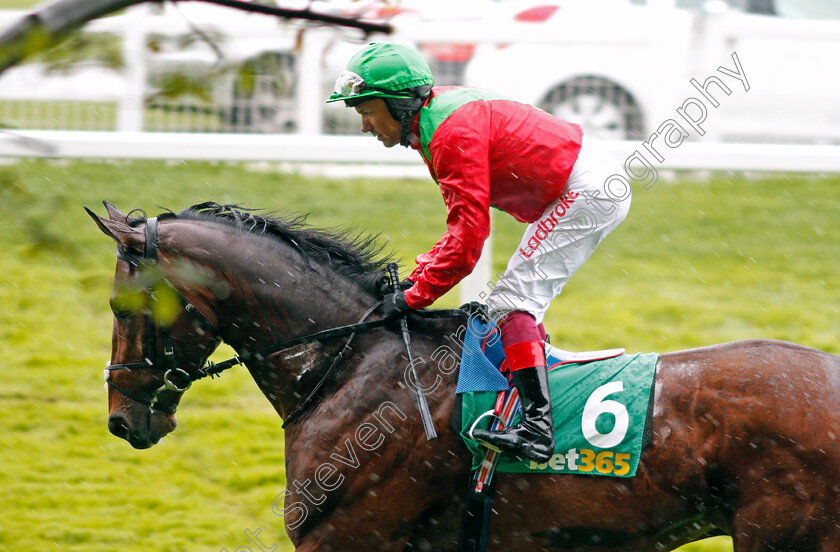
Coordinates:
745 434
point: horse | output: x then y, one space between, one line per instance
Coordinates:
744 434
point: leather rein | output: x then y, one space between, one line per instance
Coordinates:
210 369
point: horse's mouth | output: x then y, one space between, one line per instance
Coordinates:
144 440
146 437
140 443
141 440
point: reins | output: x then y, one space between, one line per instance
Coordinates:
211 369
215 369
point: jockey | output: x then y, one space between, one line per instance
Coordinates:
487 151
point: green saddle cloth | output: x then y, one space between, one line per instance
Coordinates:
600 413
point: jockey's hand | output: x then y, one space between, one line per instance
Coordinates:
385 288
394 305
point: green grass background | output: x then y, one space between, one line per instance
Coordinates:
18 4
698 261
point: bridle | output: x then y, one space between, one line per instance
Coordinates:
169 365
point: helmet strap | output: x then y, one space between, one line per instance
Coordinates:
404 110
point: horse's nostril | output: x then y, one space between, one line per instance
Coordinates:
118 426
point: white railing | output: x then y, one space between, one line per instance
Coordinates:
364 150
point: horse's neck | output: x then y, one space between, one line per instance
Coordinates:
282 305
267 292
273 301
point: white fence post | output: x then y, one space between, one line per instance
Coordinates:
309 98
473 285
130 113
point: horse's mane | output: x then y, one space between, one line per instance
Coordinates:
355 256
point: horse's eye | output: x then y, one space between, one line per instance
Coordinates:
128 299
122 315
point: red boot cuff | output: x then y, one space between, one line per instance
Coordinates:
525 355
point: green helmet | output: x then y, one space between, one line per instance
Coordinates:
382 70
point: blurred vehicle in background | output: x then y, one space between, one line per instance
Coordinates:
619 68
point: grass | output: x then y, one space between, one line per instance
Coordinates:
19 4
697 262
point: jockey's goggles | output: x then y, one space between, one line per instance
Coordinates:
350 85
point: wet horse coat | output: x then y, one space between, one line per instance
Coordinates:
745 434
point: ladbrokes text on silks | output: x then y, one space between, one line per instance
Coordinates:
549 223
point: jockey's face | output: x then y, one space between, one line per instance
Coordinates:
377 120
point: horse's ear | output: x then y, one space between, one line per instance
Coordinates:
115 213
128 238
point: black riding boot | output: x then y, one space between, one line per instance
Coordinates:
533 437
